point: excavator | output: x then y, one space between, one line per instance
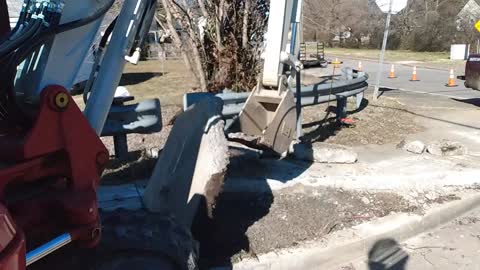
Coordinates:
51 155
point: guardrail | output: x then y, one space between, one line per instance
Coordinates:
352 84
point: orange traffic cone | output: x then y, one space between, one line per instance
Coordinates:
414 75
392 72
451 79
360 68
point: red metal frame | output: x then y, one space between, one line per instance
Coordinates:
63 159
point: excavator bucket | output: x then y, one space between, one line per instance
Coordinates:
271 115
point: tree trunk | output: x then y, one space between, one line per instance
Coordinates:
201 3
198 62
177 41
218 22
195 43
246 16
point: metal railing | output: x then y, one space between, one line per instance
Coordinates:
351 84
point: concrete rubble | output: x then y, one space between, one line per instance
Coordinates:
192 165
416 147
446 148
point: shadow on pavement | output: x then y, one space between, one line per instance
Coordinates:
136 78
471 101
382 90
387 254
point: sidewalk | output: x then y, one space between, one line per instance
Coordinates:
427 190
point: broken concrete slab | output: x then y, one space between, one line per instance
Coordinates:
325 153
416 147
193 160
446 148
211 166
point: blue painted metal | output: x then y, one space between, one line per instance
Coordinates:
141 118
310 95
48 248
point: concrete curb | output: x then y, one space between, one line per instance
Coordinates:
330 257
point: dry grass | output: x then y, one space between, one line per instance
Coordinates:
391 55
424 59
167 80
377 123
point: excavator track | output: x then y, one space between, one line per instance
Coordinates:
138 239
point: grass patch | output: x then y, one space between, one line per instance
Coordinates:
391 55
167 80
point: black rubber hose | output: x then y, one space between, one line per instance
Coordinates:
23 15
49 33
9 45
15 58
108 31
84 21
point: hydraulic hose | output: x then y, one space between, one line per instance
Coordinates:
12 44
49 33
13 53
84 21
106 35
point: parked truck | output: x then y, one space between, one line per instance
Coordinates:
472 72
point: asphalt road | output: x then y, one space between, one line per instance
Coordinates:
432 81
455 245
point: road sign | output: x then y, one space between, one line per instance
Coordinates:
477 26
397 5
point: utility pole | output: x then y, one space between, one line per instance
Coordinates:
382 54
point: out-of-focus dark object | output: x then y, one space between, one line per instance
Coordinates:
472 72
387 254
4 18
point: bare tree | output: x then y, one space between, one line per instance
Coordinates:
220 40
423 25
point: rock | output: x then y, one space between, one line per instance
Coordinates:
416 147
325 153
446 148
365 200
